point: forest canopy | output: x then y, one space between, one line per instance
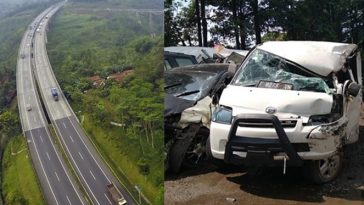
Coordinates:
244 23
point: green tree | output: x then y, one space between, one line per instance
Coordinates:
9 123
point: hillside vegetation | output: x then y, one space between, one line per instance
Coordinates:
11 7
20 186
84 42
131 4
12 29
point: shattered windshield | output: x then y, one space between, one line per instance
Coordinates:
264 66
191 85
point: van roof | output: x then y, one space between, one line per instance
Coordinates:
319 57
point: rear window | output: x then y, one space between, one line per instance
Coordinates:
183 61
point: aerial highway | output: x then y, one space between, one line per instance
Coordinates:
56 182
91 170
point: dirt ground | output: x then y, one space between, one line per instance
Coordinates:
208 185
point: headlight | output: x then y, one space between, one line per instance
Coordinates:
318 120
222 115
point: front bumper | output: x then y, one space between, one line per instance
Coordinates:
237 144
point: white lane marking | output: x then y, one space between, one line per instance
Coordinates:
57 176
68 199
88 150
63 167
107 199
71 138
64 125
41 164
35 144
41 138
49 158
92 175
80 155
78 169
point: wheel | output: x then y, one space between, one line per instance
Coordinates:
188 151
167 148
196 152
219 163
325 170
177 153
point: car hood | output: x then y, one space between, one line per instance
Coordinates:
289 104
175 105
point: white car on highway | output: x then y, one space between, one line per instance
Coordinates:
28 107
290 103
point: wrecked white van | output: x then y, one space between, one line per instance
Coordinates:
290 103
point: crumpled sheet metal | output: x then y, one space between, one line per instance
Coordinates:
329 136
200 113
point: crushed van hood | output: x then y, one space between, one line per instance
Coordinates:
288 103
321 58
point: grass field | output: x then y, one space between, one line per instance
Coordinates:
19 181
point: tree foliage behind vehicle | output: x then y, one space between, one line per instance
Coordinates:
244 23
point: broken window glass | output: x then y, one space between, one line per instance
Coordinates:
189 85
265 66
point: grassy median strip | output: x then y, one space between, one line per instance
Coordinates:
19 180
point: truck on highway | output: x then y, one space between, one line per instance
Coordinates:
54 93
116 196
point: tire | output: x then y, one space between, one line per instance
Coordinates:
177 153
325 170
196 151
219 163
167 148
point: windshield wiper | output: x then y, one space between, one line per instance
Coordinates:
173 85
188 93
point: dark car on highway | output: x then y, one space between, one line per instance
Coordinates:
191 94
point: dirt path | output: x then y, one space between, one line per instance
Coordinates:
207 185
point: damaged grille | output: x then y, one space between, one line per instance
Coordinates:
267 124
245 144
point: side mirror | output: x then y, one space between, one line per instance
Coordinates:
354 89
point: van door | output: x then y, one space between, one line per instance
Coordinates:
352 105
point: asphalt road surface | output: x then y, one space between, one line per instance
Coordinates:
91 170
57 185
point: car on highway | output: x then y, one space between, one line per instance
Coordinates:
290 103
28 107
22 56
54 93
191 93
115 194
